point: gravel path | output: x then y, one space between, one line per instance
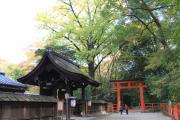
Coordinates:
130 116
133 116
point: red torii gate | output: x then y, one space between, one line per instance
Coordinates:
117 85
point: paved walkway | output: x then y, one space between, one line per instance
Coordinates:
134 116
131 116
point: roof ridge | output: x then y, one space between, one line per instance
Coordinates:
61 56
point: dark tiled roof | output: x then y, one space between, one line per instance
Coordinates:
10 97
8 83
64 66
69 66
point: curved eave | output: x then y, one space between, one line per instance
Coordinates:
27 79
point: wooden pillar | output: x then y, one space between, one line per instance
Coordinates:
41 92
83 101
83 93
54 92
71 92
68 108
118 97
141 90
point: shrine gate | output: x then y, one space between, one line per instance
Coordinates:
117 85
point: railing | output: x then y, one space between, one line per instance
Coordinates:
149 107
152 107
171 110
114 108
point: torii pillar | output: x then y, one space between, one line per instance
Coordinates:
118 97
141 91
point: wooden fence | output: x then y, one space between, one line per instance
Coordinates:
152 107
27 107
28 111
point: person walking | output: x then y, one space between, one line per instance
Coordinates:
121 109
126 108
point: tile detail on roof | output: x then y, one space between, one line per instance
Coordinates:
7 81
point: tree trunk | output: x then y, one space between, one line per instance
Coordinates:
91 69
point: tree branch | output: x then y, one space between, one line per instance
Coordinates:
101 34
67 38
51 28
158 24
88 11
74 13
95 10
151 9
146 26
100 50
65 3
101 60
72 9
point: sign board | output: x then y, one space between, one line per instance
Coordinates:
66 96
60 105
73 103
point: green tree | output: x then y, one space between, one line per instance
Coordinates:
152 16
80 27
152 49
11 70
164 78
14 72
139 37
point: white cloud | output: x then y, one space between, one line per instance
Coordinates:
18 26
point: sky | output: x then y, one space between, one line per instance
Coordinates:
18 26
